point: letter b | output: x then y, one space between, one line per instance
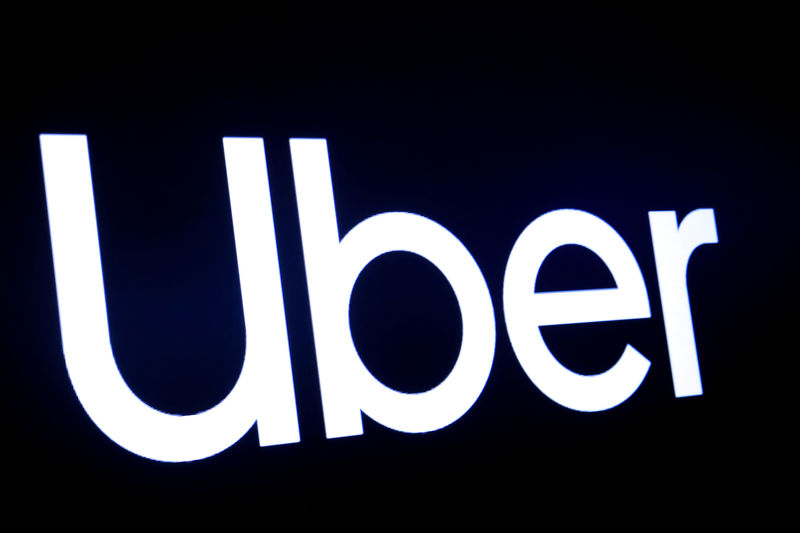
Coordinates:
332 268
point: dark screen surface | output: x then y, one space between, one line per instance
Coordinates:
481 119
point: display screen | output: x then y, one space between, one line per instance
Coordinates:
379 261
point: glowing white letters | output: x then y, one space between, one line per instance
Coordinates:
264 393
673 246
526 310
333 267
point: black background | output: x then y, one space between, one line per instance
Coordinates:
481 118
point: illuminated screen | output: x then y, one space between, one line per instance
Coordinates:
379 263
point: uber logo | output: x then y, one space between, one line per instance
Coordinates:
264 393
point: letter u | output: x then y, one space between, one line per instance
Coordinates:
264 392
